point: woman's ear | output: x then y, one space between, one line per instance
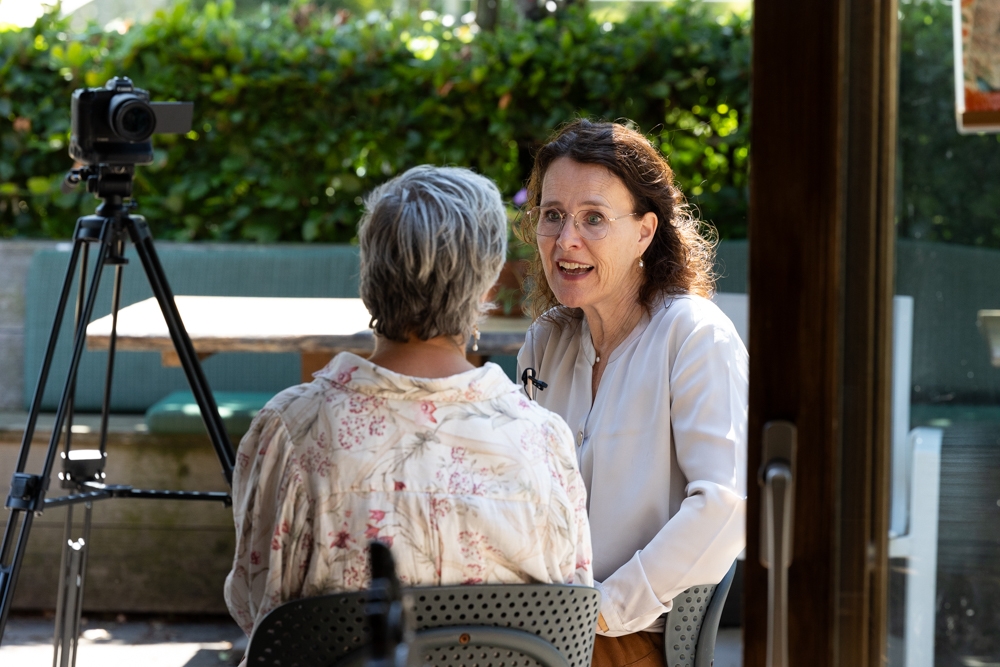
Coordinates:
647 229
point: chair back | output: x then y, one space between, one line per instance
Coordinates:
692 624
527 625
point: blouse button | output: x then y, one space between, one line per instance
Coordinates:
579 439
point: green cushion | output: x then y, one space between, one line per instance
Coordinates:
179 412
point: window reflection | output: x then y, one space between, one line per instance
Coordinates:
945 550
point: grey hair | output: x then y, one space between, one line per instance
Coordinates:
433 241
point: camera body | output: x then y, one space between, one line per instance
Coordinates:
113 125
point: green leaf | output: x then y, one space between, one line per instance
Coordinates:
75 54
38 185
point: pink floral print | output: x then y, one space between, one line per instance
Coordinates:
466 481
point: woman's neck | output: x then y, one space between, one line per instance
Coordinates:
437 357
610 325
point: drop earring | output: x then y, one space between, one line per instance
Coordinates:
640 263
475 337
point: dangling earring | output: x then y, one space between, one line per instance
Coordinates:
640 263
475 337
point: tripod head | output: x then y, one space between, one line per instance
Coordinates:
112 183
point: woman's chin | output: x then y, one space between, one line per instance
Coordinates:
573 290
573 298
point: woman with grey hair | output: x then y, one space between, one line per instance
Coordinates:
448 464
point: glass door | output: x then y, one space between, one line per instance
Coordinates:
875 337
944 582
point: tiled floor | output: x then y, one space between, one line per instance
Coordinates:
27 642
149 643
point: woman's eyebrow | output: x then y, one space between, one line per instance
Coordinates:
595 202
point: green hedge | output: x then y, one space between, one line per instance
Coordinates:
298 114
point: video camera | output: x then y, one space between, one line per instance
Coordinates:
113 125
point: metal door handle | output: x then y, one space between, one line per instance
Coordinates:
777 482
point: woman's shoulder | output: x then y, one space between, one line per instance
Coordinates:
295 398
294 409
689 310
684 315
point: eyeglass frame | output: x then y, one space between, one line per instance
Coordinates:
576 223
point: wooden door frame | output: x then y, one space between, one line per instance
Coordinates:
823 110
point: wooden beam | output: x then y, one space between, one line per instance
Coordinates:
796 210
869 240
821 263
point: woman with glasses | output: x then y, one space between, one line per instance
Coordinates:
647 371
450 465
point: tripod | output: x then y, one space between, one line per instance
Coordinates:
83 470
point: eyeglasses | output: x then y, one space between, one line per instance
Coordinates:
592 225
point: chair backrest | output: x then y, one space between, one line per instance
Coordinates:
692 624
504 625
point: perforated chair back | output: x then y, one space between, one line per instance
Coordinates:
489 625
692 624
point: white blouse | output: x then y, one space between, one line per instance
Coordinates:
662 450
466 480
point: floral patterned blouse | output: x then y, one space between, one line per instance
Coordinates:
464 478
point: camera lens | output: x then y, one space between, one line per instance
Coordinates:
131 117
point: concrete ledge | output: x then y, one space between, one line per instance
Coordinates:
158 556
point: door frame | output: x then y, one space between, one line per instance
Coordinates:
822 186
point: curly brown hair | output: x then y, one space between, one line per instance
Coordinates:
680 258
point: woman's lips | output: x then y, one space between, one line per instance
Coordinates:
574 269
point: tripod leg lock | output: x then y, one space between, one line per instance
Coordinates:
27 492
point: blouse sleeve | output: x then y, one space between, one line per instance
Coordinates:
708 408
273 517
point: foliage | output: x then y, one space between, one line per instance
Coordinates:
947 181
299 112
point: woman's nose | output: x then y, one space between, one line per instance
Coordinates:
569 235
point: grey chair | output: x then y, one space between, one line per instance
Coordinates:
516 625
692 624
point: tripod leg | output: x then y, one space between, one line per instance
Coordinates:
112 340
81 579
68 618
18 521
50 350
71 586
143 241
79 338
80 293
69 602
28 491
64 564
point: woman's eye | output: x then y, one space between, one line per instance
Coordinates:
552 215
593 218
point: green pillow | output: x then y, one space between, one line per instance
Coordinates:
179 413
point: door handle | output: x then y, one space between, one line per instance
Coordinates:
777 482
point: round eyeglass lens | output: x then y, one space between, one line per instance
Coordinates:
549 221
